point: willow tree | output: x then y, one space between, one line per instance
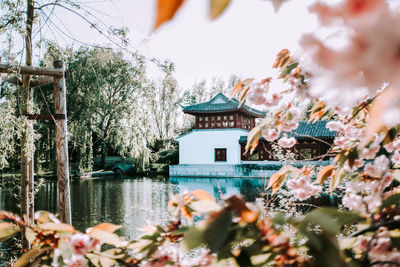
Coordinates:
103 89
19 18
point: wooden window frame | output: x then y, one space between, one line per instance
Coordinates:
220 157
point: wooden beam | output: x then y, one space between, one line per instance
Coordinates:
54 72
41 81
60 107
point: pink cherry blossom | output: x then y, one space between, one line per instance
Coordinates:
302 188
82 243
274 100
270 134
341 141
368 58
77 261
353 132
392 146
379 247
369 153
378 167
257 95
287 142
396 157
334 126
289 126
387 180
163 256
347 10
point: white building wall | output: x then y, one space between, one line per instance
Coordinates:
198 146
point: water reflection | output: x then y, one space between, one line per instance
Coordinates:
130 201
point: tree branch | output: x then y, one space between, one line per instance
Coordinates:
390 225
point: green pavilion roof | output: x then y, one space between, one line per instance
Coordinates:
306 130
219 104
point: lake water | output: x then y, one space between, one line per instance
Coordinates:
130 202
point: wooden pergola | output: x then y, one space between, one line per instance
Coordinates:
56 76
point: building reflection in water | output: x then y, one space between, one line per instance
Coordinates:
132 202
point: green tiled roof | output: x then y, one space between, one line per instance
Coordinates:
317 129
220 103
306 130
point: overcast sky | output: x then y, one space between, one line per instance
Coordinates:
243 41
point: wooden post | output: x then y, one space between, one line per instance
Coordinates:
60 107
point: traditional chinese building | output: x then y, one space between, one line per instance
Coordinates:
215 147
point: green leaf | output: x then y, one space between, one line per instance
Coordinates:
289 68
193 238
330 219
392 200
325 250
217 232
279 219
182 230
152 237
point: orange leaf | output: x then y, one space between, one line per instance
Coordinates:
185 212
278 179
254 146
275 181
249 216
375 119
166 10
238 205
316 115
282 59
243 94
253 137
324 173
265 81
247 81
238 87
202 195
107 227
217 7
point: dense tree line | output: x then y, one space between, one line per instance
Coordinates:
114 109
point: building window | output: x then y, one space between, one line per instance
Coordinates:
212 118
200 118
220 154
225 118
218 118
206 118
231 117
